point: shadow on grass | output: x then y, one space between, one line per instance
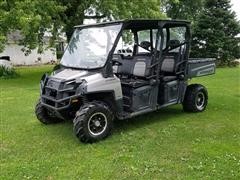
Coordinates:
165 114
64 129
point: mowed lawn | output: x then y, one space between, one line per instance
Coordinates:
168 144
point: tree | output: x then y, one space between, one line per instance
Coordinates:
183 9
34 18
215 32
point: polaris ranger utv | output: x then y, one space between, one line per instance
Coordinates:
98 81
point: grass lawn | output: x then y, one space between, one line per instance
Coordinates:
168 144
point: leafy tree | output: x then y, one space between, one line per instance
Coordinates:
215 32
183 9
34 18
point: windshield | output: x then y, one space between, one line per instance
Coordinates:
89 47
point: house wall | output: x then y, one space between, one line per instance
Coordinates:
18 57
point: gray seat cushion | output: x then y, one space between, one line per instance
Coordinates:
137 66
139 69
168 68
168 64
126 68
141 65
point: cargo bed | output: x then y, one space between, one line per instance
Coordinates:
197 67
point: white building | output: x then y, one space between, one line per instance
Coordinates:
19 57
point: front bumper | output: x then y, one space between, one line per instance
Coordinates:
58 94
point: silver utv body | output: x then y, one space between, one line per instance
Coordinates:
132 86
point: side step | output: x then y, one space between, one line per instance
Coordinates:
127 115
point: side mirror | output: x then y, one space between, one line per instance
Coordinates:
172 44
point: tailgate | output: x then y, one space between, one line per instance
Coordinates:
197 67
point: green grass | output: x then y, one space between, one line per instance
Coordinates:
168 144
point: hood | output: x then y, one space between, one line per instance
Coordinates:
68 74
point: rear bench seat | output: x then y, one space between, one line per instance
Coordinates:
168 67
133 71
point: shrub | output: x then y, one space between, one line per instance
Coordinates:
6 73
234 63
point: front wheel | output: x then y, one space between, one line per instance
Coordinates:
93 122
44 115
196 98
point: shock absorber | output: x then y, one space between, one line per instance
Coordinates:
84 100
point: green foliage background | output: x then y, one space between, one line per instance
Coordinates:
215 25
36 17
215 32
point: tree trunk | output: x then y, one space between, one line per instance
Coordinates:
69 29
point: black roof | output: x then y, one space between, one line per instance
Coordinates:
141 23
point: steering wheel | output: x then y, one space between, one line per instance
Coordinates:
116 62
176 45
145 45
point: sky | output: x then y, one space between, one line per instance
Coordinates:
236 7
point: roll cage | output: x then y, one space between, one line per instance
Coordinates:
138 25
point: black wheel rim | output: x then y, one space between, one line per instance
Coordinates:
97 123
200 101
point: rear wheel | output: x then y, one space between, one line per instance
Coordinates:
93 122
196 98
44 115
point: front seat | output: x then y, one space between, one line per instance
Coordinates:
139 72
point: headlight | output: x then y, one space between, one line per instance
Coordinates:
69 84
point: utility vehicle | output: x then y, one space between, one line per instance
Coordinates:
98 82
